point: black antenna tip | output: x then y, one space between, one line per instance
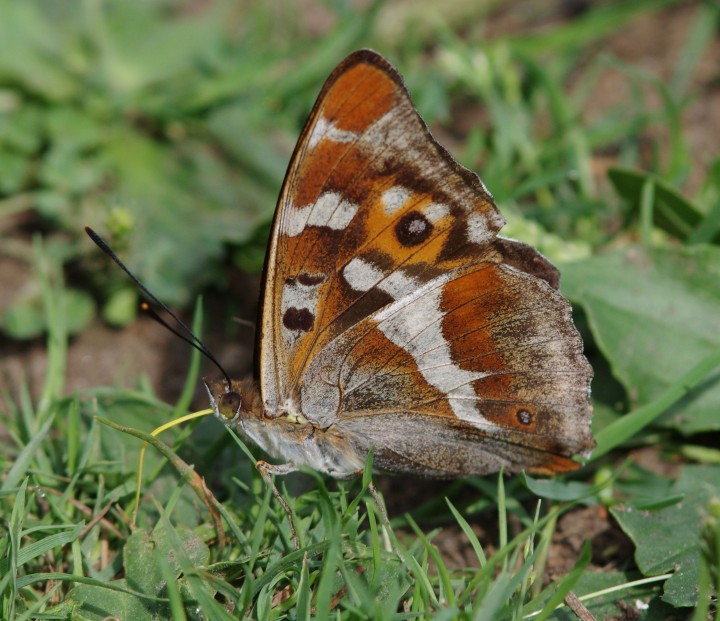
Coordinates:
99 241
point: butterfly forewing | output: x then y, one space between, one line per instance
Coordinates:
388 293
370 205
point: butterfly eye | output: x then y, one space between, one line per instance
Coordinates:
229 404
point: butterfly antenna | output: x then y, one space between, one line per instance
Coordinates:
187 334
196 343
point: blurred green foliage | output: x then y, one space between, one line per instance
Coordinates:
165 129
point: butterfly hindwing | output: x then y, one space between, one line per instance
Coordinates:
486 352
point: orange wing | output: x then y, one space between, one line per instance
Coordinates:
373 211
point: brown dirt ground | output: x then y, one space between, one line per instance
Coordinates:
101 356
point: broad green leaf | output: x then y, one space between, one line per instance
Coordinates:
655 313
642 485
193 547
668 539
144 574
557 489
95 603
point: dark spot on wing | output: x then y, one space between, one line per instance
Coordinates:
413 229
524 417
310 280
300 319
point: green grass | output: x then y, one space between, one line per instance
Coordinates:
167 130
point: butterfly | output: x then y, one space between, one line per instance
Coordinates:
393 316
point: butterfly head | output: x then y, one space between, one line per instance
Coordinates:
232 402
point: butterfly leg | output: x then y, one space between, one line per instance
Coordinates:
267 471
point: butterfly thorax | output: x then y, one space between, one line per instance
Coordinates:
283 431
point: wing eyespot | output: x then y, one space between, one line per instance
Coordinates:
524 417
413 229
